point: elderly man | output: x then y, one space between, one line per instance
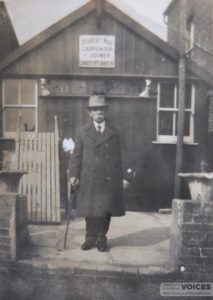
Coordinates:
96 167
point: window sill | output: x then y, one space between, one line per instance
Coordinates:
174 143
6 139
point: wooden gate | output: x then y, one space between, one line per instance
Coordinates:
38 155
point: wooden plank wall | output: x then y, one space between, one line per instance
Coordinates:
38 154
133 54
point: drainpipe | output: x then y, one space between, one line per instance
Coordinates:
181 97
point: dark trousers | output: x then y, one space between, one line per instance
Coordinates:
97 227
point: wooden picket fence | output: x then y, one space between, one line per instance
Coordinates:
38 155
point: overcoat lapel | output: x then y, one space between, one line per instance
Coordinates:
92 133
107 134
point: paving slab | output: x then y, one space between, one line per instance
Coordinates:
138 241
140 256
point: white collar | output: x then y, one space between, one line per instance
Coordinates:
102 124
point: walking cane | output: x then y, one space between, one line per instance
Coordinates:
71 196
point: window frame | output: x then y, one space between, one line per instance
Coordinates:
171 139
19 105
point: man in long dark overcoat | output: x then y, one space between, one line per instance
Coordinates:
96 166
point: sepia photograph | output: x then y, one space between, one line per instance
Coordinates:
106 149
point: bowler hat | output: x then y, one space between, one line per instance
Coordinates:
97 101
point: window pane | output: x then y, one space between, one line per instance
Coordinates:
11 91
176 124
27 91
167 94
166 123
186 124
188 96
11 119
28 119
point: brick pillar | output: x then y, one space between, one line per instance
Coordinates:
13 226
192 236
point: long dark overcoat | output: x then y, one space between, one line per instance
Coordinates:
96 162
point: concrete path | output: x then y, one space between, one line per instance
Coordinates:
138 243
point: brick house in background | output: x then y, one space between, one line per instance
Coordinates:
199 31
198 44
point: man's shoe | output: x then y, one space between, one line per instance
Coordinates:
87 245
101 246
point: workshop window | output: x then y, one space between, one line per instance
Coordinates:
19 106
167 117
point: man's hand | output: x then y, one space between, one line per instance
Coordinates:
74 182
125 183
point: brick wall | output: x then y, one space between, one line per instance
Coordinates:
202 52
13 226
202 12
210 116
22 232
192 236
173 28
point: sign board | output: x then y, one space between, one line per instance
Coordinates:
97 51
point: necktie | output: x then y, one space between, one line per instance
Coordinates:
99 128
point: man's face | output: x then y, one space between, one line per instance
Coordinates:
97 114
